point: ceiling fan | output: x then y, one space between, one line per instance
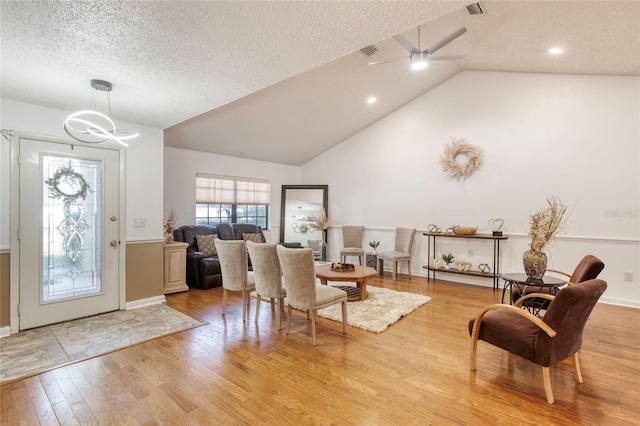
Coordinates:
419 58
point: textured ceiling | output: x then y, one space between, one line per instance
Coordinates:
284 81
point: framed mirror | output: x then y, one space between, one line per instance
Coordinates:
299 204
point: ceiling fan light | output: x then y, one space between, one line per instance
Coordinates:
418 61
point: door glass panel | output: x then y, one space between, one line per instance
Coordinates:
71 231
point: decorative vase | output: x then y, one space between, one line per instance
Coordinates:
323 251
535 264
168 238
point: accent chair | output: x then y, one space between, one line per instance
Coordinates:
544 341
401 253
352 243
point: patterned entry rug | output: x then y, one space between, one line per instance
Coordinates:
382 308
41 349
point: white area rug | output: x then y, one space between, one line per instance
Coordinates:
382 308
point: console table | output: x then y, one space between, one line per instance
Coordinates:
431 248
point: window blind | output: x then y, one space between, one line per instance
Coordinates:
231 190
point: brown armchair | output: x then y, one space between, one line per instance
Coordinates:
543 341
588 269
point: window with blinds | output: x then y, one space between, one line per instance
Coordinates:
232 199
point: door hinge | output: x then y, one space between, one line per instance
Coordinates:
19 309
18 234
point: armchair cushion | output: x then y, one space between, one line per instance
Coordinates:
207 245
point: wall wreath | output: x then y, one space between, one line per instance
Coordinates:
458 170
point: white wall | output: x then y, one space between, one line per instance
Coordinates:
144 167
182 165
577 137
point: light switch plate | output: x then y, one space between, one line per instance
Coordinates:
138 222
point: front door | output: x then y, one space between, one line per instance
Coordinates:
68 233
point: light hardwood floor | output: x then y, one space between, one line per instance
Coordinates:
415 372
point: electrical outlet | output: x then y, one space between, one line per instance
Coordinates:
470 252
138 222
628 276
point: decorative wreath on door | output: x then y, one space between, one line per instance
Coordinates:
460 170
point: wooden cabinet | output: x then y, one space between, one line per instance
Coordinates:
175 267
494 273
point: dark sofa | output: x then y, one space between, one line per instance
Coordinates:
203 271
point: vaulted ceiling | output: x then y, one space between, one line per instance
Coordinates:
285 81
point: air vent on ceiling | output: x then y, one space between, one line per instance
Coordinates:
476 9
369 50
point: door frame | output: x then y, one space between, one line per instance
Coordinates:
14 219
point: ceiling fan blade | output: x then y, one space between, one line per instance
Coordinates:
404 43
444 57
389 60
448 39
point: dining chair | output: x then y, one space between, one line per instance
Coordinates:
544 341
352 243
303 291
401 253
268 277
588 268
235 274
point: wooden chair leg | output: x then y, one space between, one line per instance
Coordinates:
258 297
224 301
394 270
278 312
546 378
380 266
244 306
273 304
344 317
576 367
313 326
474 346
409 266
288 318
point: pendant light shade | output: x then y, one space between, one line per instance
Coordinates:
94 127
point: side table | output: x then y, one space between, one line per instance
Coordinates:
371 260
175 267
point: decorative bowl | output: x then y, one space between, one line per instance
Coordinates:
343 267
465 230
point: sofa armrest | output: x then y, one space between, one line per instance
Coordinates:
195 255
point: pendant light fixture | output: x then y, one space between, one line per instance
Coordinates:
94 127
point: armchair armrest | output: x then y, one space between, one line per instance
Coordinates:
499 306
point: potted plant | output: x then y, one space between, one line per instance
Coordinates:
322 223
543 225
374 245
448 258
169 226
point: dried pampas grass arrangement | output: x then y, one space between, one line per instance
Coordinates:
456 170
544 224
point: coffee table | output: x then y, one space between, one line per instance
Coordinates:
360 276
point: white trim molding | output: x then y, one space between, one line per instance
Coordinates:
146 302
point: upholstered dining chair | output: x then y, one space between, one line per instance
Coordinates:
401 253
235 274
544 341
268 277
352 243
588 268
303 292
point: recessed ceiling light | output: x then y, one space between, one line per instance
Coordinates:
556 50
371 100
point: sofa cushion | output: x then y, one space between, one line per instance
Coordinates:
252 236
207 245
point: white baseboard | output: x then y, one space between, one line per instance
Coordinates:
145 302
5 331
620 302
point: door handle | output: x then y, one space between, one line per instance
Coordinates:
113 243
